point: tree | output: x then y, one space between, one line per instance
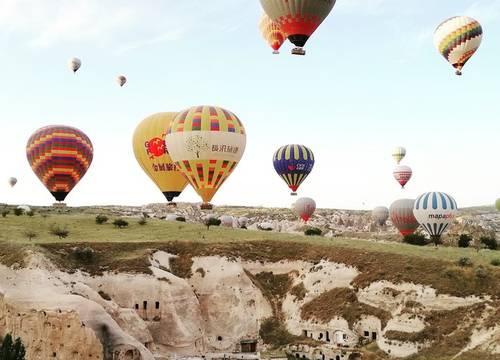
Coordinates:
196 144
464 241
12 350
416 239
212 222
120 223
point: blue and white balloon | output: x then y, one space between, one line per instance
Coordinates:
435 211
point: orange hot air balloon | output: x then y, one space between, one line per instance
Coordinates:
60 156
271 32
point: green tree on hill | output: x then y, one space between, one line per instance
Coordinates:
12 350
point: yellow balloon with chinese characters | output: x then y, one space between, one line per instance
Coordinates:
152 155
206 143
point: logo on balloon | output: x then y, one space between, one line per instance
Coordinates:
291 167
155 147
442 216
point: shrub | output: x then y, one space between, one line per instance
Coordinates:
12 350
101 219
5 213
18 211
274 333
481 273
313 231
85 255
489 242
59 231
464 262
464 240
142 221
120 223
495 262
416 239
30 234
104 295
180 218
30 213
212 222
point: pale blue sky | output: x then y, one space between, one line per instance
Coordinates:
371 80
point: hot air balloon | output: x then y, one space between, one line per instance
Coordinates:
226 220
401 213
12 181
402 174
293 163
435 211
497 204
121 80
152 155
298 18
399 154
60 156
304 208
74 64
272 33
457 39
206 143
380 215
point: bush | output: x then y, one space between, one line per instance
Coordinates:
180 218
464 241
101 219
495 262
30 213
142 221
489 242
416 239
12 350
464 262
212 222
30 234
120 223
85 255
481 273
18 211
313 232
60 232
5 213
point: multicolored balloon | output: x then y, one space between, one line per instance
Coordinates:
497 204
206 143
299 19
304 208
121 80
399 154
401 213
60 156
272 33
74 64
435 211
12 181
152 155
457 39
380 215
402 174
293 163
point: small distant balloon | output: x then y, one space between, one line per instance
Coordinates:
304 208
435 211
380 215
399 154
293 163
12 181
121 80
402 174
272 33
74 64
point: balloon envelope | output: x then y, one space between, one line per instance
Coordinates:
272 33
399 154
293 163
60 156
401 213
380 215
226 220
304 208
121 80
74 64
299 19
457 39
402 174
152 155
206 143
12 181
435 211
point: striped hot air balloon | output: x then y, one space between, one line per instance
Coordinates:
435 211
272 33
299 19
293 163
304 208
399 154
380 215
402 174
401 213
60 156
457 39
206 143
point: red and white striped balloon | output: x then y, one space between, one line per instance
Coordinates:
402 174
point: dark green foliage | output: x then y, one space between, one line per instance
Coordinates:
18 211
85 255
180 218
464 262
120 223
60 232
489 242
416 239
274 333
212 222
5 213
12 350
495 262
313 232
104 295
101 219
464 240
30 213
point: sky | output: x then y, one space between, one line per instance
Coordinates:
371 80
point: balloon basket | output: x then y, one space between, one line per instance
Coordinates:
59 205
172 205
293 194
276 52
206 206
298 51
